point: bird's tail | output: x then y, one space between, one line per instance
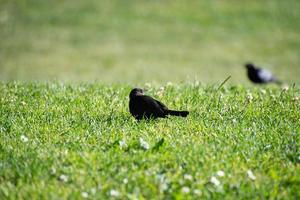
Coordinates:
178 113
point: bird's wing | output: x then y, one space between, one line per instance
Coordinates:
153 106
265 75
163 106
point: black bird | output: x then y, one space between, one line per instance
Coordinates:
260 76
143 106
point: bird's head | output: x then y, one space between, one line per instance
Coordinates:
136 92
249 66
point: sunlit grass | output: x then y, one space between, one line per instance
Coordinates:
79 141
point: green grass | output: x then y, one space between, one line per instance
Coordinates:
77 130
143 41
60 139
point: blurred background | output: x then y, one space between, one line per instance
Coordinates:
137 41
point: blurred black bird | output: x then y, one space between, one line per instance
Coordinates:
143 106
260 76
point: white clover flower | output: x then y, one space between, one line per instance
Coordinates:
234 121
164 186
144 144
249 97
169 84
268 146
24 138
188 177
295 99
185 189
263 91
93 190
215 181
114 193
125 180
251 175
221 173
163 182
84 195
285 88
197 192
197 83
65 152
63 178
160 91
160 177
148 85
122 144
52 171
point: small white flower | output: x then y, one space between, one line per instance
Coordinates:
197 83
295 99
215 181
188 177
93 190
251 175
160 92
65 152
249 97
285 88
144 144
268 146
125 180
160 177
122 144
114 193
148 85
197 192
169 84
234 121
263 91
185 189
164 186
85 194
24 138
63 178
221 173
23 103
53 171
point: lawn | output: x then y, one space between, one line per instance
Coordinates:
66 70
131 41
77 141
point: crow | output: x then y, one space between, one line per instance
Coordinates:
142 106
260 76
